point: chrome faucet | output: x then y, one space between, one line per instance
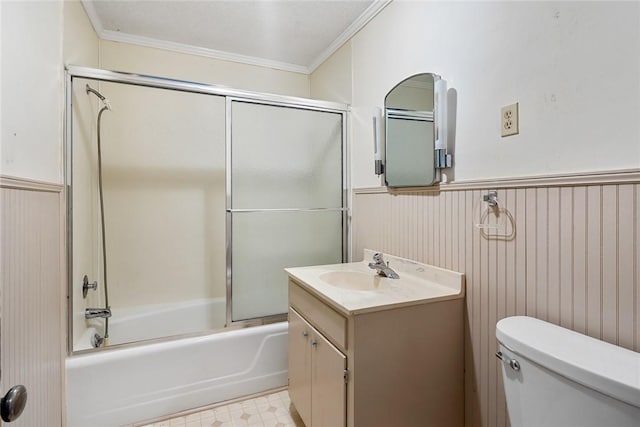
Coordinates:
382 268
92 313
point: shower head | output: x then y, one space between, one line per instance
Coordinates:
104 100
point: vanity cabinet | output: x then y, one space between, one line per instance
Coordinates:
316 375
382 366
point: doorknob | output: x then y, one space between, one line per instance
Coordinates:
13 403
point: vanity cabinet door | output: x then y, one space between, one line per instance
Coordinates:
329 390
300 335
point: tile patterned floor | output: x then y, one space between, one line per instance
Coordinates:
269 410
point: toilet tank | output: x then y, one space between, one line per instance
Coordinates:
556 377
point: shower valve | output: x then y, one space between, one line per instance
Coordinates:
86 286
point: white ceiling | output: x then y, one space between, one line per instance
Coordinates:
291 35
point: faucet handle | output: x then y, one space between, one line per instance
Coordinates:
377 257
86 286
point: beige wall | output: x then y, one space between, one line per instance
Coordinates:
572 261
144 60
579 96
332 80
80 42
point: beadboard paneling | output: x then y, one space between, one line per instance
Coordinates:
573 262
32 334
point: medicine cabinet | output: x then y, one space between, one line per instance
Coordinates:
415 137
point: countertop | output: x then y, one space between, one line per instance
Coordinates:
418 284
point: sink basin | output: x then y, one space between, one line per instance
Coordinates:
354 280
354 288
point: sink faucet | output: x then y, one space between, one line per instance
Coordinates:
92 313
382 268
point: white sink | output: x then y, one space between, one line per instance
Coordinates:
354 288
354 280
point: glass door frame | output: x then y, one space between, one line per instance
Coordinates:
345 209
72 72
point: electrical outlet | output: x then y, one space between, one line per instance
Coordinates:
510 124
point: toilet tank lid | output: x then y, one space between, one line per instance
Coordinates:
612 370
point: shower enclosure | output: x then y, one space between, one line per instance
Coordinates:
208 194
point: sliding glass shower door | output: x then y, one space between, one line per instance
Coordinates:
285 200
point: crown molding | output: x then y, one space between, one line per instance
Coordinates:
118 36
366 16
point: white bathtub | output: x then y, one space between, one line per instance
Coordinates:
146 322
122 386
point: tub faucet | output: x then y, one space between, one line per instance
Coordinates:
382 268
92 313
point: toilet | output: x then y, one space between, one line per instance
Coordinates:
555 377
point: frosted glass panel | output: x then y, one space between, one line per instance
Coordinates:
264 243
164 187
285 157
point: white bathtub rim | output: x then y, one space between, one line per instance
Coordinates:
93 356
151 341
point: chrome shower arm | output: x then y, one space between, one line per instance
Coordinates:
104 100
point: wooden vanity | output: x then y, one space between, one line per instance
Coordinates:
389 356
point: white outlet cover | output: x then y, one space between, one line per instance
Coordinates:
509 123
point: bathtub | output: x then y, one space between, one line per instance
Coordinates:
122 386
152 321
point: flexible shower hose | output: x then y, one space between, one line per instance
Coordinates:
104 242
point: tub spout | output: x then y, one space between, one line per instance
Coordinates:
92 313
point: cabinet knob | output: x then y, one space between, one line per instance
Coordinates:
314 343
305 334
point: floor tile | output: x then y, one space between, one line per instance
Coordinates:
269 410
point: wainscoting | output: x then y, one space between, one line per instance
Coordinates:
32 298
570 256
